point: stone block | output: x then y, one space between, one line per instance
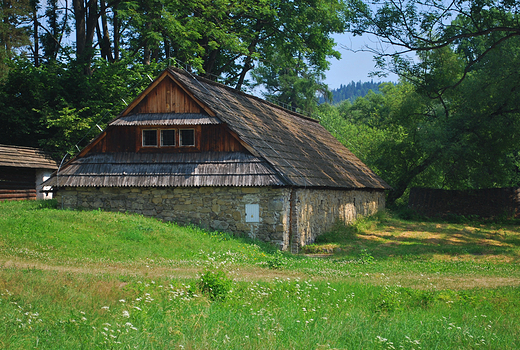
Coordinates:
268 220
276 205
237 216
219 225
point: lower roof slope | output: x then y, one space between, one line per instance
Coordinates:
166 170
26 157
301 150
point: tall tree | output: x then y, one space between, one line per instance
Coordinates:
56 28
293 87
465 138
227 39
15 18
464 80
415 26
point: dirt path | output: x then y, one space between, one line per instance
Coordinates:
416 281
188 272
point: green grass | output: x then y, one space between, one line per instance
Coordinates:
77 279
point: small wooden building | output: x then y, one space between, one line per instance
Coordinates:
194 151
22 172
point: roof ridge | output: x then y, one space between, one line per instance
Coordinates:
239 92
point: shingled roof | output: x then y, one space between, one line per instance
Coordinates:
301 150
167 169
287 149
25 157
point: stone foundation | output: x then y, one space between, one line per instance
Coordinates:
215 208
316 211
224 208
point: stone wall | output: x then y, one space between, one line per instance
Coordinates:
316 211
224 208
216 208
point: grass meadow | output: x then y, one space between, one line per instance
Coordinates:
99 280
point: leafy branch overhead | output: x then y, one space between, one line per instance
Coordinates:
473 27
92 46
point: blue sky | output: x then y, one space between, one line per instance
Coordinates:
353 66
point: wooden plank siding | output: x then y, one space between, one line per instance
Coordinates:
218 139
17 178
13 195
209 138
17 183
167 98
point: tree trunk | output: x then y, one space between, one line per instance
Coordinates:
92 19
81 37
402 184
105 41
36 37
209 65
147 56
117 34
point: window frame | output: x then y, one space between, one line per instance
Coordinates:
178 147
174 137
156 138
194 137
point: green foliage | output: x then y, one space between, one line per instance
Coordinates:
55 106
366 258
277 262
449 121
215 284
293 88
56 94
461 141
395 299
14 31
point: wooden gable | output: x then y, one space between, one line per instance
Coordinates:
166 95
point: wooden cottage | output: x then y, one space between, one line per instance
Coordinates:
194 151
22 172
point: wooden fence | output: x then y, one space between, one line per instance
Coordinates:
486 203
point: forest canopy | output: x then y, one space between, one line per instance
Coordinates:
452 121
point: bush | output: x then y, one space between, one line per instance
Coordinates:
215 284
277 261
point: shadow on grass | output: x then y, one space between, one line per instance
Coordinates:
385 236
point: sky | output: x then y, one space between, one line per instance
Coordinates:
353 66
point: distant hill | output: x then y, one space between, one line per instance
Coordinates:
352 91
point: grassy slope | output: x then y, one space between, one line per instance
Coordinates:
72 279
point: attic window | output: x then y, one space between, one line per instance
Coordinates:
150 138
168 137
187 137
